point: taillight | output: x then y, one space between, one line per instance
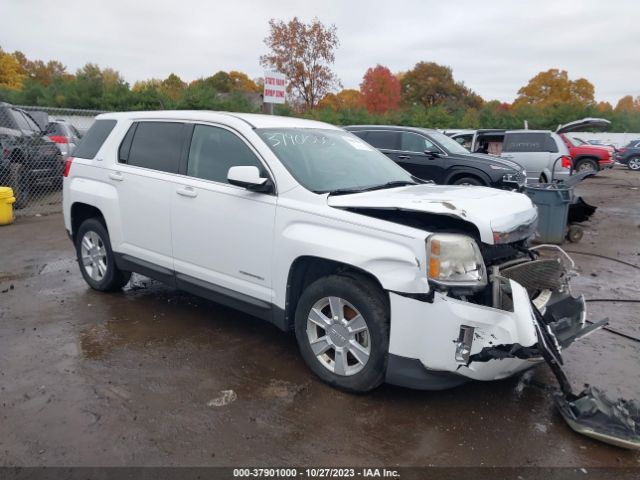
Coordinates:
59 138
67 167
566 162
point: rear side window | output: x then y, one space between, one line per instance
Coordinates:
527 142
214 151
55 129
155 145
383 139
94 138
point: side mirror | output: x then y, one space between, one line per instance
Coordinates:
249 177
432 152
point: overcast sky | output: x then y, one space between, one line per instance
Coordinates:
495 47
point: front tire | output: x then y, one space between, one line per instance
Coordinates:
96 259
342 329
469 182
634 163
587 165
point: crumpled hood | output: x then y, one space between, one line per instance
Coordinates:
499 215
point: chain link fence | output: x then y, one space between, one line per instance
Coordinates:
35 143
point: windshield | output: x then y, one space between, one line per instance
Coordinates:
330 160
448 143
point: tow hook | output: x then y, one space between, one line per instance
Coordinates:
589 412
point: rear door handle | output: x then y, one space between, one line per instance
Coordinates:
404 157
507 156
117 176
187 192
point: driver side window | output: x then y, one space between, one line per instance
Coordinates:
412 142
214 151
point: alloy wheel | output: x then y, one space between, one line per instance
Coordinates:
586 167
634 163
338 336
94 255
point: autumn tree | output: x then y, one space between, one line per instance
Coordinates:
41 72
240 82
304 53
554 87
172 86
628 104
430 84
11 72
348 99
380 90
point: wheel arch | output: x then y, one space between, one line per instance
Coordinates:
307 269
468 172
80 212
580 158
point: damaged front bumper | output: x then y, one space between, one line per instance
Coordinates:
443 341
499 338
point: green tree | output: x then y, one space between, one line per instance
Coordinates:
220 82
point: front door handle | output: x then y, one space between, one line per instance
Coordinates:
187 192
117 176
509 157
404 157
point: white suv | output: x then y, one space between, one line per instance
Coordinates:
381 276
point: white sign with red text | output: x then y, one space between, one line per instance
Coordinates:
275 87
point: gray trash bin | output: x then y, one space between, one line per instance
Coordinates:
552 200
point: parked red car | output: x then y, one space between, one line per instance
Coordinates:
587 157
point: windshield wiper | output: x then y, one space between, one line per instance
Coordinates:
395 183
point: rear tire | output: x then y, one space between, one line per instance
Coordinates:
96 259
342 329
634 163
469 182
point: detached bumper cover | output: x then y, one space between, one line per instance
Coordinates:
595 415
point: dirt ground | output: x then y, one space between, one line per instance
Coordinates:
139 377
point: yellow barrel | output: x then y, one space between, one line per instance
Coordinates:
6 205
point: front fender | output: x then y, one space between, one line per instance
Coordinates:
397 262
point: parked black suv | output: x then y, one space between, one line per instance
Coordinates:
29 158
629 155
431 155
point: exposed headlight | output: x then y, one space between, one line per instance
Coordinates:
455 260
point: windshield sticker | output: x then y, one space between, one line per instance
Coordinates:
286 139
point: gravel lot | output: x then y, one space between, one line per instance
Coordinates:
141 377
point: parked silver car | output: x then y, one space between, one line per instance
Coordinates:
65 135
542 153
